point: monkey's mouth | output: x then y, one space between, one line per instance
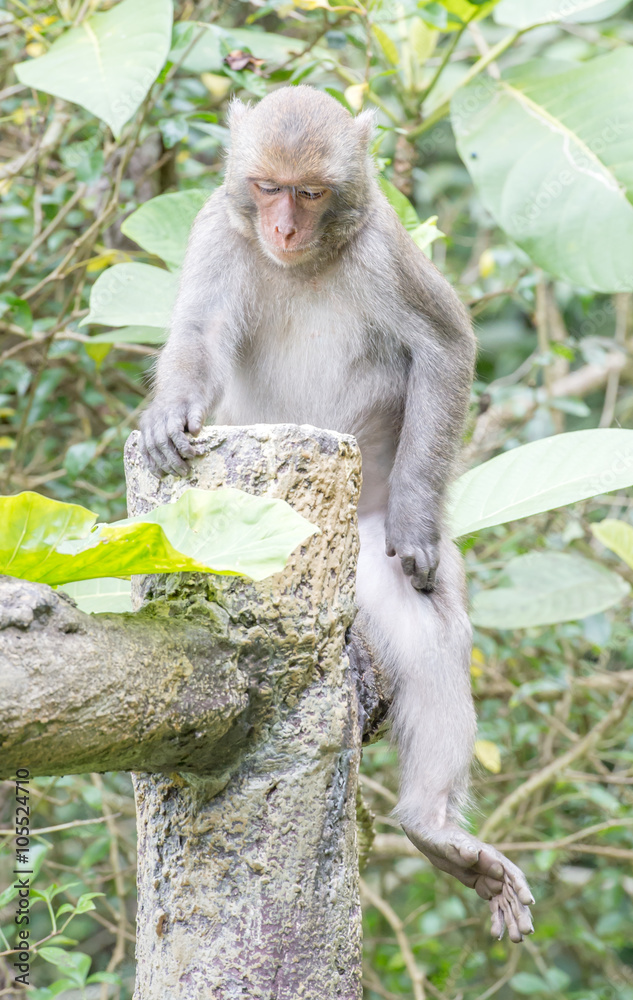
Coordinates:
287 255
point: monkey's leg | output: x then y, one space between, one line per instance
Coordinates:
423 644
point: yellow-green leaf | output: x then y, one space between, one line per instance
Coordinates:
219 531
387 45
487 753
617 536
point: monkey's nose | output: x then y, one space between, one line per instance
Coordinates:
286 233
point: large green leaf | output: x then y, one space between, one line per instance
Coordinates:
551 155
231 531
132 335
100 595
545 588
222 531
132 295
162 224
540 476
109 62
207 53
617 536
523 13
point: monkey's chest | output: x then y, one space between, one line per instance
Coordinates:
317 373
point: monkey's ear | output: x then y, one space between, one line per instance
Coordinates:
237 111
364 124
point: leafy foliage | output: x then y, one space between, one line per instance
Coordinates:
507 122
221 531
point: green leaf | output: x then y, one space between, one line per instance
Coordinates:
52 890
523 13
551 155
56 989
231 531
426 233
74 964
98 352
109 62
79 456
221 531
132 335
527 984
456 12
104 977
546 588
173 130
401 204
162 224
85 904
541 476
101 595
389 47
132 295
7 895
617 536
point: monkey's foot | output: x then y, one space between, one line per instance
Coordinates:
484 869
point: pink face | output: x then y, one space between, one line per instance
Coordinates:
288 217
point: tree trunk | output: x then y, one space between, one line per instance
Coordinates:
248 878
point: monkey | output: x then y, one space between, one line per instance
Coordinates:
303 300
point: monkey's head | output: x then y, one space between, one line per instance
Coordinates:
298 173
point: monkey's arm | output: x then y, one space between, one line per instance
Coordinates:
191 371
438 389
437 335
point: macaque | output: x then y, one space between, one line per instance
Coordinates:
303 300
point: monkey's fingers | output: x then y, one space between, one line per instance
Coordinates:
518 881
195 418
490 863
426 560
497 923
520 912
179 439
420 565
510 917
153 457
163 452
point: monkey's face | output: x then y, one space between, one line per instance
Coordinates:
288 218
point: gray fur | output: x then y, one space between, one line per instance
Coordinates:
366 337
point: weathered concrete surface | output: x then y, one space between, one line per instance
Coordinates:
248 877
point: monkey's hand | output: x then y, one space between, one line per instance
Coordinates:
417 548
164 442
484 869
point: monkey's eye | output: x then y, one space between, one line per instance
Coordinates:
310 195
268 190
